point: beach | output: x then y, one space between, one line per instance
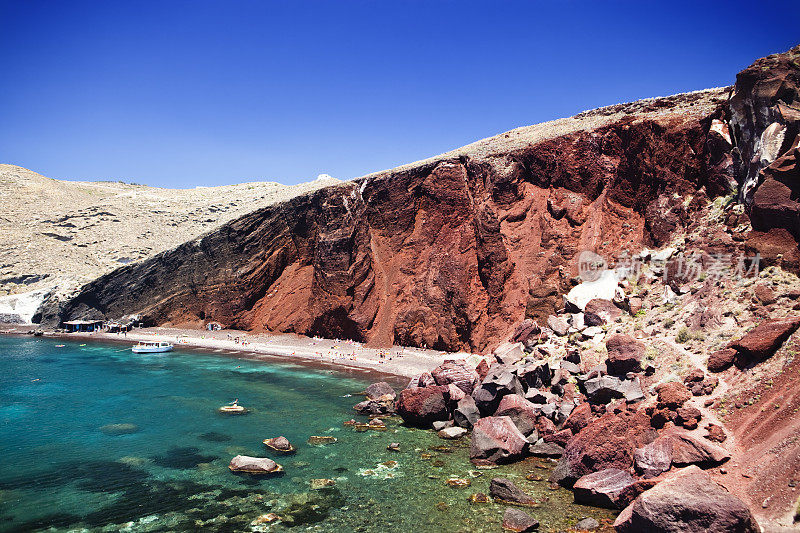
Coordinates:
337 354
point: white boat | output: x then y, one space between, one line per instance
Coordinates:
152 347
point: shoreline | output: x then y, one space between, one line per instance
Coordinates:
340 355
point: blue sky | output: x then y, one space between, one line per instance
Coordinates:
186 93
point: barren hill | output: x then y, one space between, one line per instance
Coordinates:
66 233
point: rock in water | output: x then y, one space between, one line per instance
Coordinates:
603 488
452 433
519 521
688 501
422 406
279 444
380 391
504 490
119 429
254 465
495 439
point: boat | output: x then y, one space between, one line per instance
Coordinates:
233 409
152 347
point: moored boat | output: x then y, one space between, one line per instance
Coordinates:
152 347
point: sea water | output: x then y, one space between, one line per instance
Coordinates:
94 437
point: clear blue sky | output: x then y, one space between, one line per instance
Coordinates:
185 93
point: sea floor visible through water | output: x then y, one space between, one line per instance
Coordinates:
94 437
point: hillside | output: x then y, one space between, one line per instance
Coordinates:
63 234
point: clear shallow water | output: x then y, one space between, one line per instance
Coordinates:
166 470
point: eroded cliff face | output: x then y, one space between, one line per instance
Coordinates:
450 252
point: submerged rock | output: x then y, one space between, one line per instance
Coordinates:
119 429
519 521
505 491
320 484
317 440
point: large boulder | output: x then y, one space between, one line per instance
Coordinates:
504 490
607 442
625 354
672 394
522 412
721 359
508 354
466 413
372 407
380 391
457 373
536 374
422 406
761 342
602 488
254 465
559 326
526 332
688 449
495 439
686 502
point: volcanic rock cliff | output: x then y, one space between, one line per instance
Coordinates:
454 251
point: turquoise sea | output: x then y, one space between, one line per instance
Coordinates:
94 437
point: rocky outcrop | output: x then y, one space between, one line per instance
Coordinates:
495 439
764 339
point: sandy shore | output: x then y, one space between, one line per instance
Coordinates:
341 354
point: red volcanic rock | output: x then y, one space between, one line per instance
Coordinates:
495 439
687 501
688 449
721 359
765 294
559 437
526 331
436 253
673 394
482 369
602 488
522 412
689 417
715 433
421 406
456 394
654 459
457 373
579 418
599 312
625 354
545 426
607 442
766 338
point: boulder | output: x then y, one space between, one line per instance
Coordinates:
536 374
380 391
602 488
372 407
672 394
254 465
625 354
495 439
600 312
421 406
546 449
587 524
606 442
526 331
689 417
423 380
498 383
765 294
456 394
519 521
603 389
559 437
441 424
508 354
504 490
721 359
522 412
761 342
457 373
466 413
688 501
559 326
688 449
579 418
452 433
653 459
279 444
